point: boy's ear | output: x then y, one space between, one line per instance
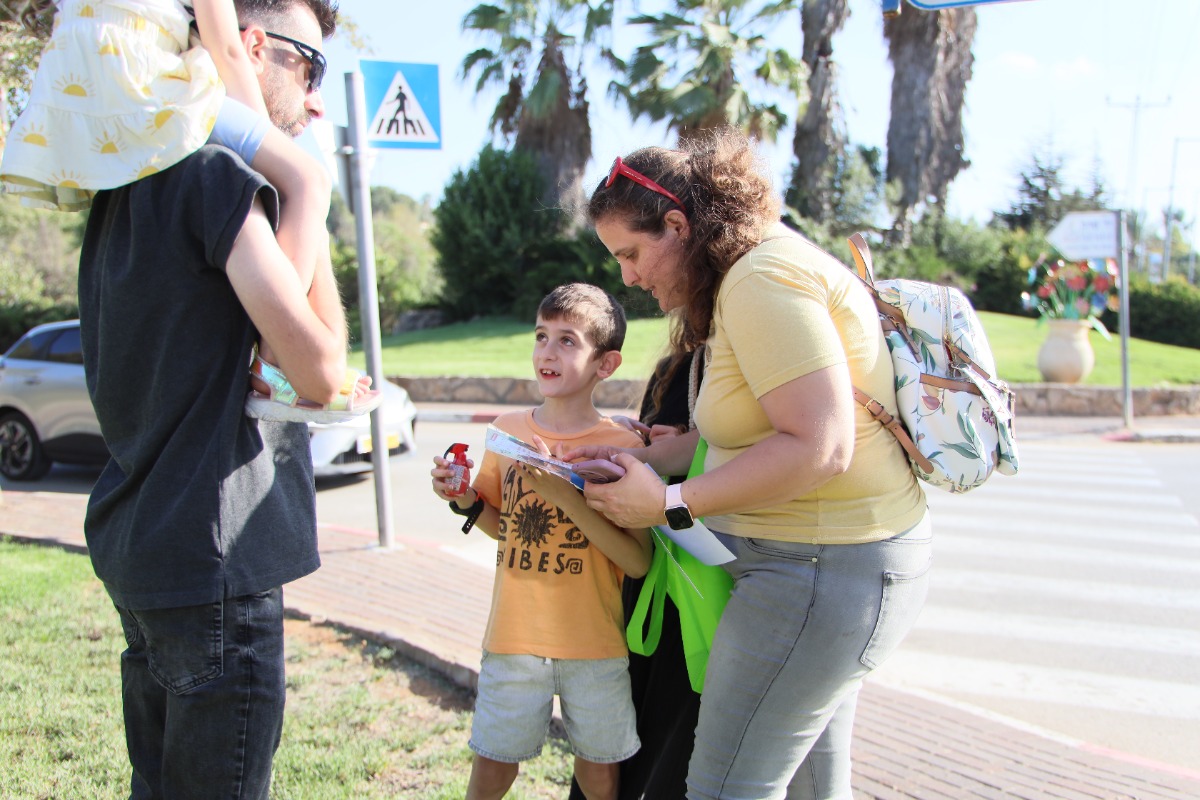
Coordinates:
609 363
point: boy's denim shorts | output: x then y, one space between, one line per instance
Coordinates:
515 701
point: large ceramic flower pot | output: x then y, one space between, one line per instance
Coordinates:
1066 356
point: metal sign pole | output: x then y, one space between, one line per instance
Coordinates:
368 300
1123 271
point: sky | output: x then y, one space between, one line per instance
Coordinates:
1109 86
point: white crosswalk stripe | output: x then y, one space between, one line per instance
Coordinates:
1068 596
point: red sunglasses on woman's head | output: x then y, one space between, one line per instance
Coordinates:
619 168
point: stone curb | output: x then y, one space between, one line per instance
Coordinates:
1032 399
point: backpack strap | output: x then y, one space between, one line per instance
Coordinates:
862 258
876 409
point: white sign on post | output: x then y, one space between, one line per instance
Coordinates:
1086 234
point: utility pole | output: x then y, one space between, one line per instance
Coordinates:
1137 105
1171 203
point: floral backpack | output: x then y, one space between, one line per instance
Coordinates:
955 416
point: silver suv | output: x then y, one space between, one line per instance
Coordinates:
46 414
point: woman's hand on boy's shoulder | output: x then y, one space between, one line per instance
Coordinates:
635 425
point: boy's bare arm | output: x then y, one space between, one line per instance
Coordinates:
629 549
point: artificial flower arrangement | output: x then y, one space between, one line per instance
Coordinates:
1074 290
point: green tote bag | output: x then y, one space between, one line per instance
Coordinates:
698 590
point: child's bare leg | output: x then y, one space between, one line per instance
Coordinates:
490 780
597 781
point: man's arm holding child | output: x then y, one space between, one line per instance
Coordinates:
305 324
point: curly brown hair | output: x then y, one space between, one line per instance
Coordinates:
728 200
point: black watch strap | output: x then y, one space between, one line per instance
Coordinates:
471 512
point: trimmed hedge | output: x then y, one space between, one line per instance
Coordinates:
1167 312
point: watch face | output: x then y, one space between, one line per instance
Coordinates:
679 518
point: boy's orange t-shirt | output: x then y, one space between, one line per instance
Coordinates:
555 594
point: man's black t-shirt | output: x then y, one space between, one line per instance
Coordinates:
199 502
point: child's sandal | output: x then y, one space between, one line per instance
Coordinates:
284 404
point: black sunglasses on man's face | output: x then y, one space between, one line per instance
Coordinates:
316 61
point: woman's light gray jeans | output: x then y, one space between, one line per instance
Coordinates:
804 625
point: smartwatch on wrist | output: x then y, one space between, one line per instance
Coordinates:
679 516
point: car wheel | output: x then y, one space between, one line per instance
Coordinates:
21 455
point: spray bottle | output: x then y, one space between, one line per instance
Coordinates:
456 485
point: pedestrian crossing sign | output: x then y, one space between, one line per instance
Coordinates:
402 105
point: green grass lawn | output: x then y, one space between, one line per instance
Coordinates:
502 348
361 722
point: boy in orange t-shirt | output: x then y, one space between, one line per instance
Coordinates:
556 624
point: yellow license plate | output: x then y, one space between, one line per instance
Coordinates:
364 442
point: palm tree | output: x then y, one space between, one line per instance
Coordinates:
544 111
820 140
702 57
931 60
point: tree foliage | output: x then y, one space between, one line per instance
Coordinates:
406 276
1043 197
701 64
543 109
500 249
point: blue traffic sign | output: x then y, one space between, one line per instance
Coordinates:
934 5
402 105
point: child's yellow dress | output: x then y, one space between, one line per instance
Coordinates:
120 94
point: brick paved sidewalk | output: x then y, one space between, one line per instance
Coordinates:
432 605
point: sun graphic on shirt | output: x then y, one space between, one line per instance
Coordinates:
109 49
66 179
532 523
179 73
161 118
106 144
34 134
86 10
145 170
74 86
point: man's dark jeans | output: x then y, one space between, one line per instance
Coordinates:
203 692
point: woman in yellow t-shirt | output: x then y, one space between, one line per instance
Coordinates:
811 494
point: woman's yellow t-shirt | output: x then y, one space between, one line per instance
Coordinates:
784 310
